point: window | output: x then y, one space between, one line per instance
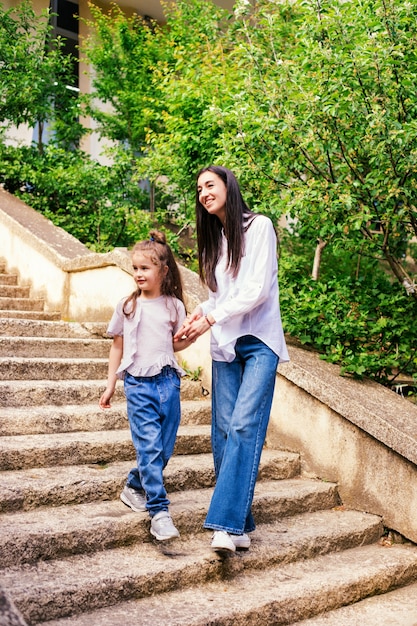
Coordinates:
65 23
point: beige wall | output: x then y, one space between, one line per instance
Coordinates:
359 435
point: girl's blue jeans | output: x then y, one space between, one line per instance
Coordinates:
153 409
242 394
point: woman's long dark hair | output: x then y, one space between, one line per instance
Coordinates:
209 228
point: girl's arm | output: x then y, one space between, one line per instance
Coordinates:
181 344
115 358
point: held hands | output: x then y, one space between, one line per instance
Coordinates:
193 327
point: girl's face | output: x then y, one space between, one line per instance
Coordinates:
147 275
212 194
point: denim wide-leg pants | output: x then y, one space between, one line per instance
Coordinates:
242 393
153 409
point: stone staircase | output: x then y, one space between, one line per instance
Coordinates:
72 553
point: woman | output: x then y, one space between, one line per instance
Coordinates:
238 262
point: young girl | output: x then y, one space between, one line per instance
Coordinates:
142 353
238 262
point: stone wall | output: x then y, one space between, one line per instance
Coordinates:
356 433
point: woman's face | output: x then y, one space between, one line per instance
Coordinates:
212 194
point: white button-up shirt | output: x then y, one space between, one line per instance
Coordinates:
249 303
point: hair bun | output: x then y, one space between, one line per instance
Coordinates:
156 235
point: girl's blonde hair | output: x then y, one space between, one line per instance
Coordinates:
160 253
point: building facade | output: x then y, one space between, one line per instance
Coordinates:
66 24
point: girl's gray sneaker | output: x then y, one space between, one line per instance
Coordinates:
133 498
162 527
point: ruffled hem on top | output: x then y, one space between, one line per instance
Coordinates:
154 369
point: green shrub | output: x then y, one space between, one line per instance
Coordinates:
102 206
364 322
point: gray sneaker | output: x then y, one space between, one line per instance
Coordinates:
135 499
162 527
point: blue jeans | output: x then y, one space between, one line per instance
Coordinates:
242 393
153 409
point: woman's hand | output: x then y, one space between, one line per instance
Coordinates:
182 333
194 326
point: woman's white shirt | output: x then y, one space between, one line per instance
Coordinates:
248 304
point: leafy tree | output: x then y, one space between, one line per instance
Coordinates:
35 74
124 101
329 121
123 52
100 205
192 80
155 81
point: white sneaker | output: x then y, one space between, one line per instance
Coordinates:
222 542
162 527
133 498
226 542
242 542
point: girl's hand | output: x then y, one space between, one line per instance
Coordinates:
181 344
104 402
182 333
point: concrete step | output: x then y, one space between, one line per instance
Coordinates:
395 608
76 448
15 327
125 537
14 291
21 304
98 526
273 596
60 419
53 348
22 393
49 369
7 279
27 489
242 585
32 393
70 418
30 315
